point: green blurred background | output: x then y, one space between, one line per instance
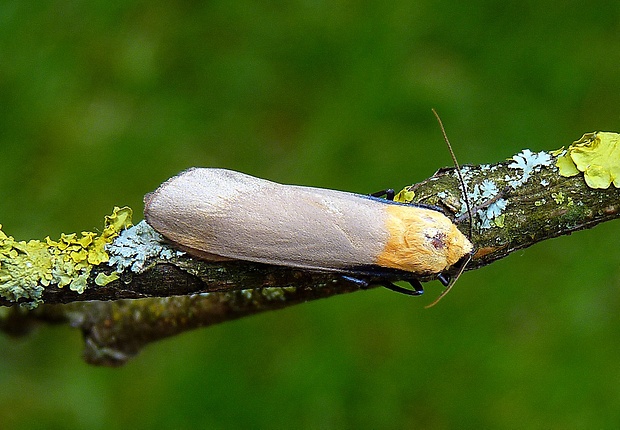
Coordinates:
103 100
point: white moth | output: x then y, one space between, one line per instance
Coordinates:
219 214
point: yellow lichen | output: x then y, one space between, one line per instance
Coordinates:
499 220
27 267
597 155
558 197
557 152
102 279
404 196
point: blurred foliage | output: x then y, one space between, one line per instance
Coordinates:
103 100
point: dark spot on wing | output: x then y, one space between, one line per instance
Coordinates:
438 240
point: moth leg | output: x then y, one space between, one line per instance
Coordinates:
444 279
363 283
416 286
388 193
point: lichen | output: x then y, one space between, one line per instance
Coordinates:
26 268
529 162
102 279
499 220
273 294
558 197
491 213
404 196
487 189
135 246
597 155
269 294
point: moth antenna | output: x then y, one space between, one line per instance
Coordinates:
458 172
471 218
449 287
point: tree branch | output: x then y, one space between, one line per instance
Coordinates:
518 203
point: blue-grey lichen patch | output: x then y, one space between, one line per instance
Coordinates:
135 246
487 195
491 214
528 162
26 268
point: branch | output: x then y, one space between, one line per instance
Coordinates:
518 203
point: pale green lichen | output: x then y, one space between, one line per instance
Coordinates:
273 294
102 279
597 155
270 294
26 268
404 196
499 220
558 197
